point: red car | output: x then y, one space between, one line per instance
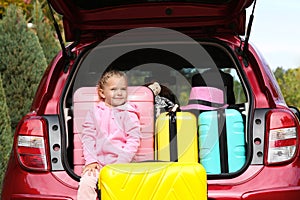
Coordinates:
170 42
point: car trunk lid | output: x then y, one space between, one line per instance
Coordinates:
209 17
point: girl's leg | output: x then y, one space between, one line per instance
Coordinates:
87 187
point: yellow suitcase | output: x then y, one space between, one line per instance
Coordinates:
176 137
153 181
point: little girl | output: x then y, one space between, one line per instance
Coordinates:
111 132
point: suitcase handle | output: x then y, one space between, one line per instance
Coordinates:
173 134
173 137
223 141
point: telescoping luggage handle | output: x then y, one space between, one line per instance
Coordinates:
222 137
223 140
173 134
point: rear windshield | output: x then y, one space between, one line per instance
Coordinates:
147 65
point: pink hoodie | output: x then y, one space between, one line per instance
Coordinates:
111 135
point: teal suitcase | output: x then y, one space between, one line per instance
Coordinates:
222 141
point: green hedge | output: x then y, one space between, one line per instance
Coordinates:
6 137
22 62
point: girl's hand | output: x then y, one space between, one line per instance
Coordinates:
91 168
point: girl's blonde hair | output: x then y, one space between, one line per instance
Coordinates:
107 75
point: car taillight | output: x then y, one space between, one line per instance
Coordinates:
282 136
32 144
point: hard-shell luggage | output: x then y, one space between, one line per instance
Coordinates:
221 141
177 139
141 96
153 181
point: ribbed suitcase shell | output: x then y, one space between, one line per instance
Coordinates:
141 96
209 141
153 181
187 138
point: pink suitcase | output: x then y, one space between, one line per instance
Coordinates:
142 96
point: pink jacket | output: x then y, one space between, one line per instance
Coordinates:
111 135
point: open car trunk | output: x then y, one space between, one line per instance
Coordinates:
178 64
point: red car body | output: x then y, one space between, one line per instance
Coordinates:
260 178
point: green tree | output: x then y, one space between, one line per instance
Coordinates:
24 4
45 32
6 137
22 62
279 73
239 92
289 84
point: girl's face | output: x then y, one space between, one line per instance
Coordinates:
114 92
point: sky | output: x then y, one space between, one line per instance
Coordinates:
276 32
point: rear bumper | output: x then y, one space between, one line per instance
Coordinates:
37 186
38 197
291 193
259 183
